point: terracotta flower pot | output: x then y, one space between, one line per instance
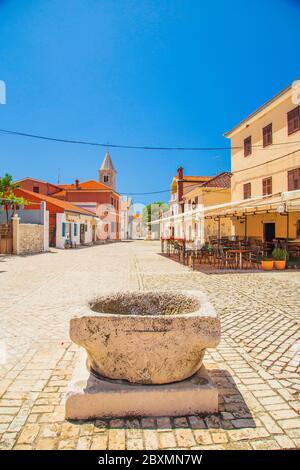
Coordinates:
280 264
267 265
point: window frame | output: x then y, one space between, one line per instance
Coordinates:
248 146
290 173
267 131
295 110
247 191
265 185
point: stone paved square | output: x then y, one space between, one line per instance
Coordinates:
256 365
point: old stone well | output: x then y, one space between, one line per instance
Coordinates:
144 353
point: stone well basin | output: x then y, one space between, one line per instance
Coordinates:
147 337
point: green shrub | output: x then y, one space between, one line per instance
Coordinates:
267 258
280 254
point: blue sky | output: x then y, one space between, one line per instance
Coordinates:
141 72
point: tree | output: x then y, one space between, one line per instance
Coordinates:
7 197
152 212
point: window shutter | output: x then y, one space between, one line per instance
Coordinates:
63 229
293 117
247 190
267 135
290 180
247 146
294 179
75 230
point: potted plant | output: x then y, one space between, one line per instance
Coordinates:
280 256
267 263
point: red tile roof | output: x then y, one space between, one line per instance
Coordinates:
51 200
222 180
90 185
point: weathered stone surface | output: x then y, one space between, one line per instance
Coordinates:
148 337
90 397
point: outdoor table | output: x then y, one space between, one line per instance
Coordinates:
239 252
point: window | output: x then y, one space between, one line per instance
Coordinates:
294 179
75 230
63 229
36 189
293 118
247 191
267 186
105 178
267 135
247 146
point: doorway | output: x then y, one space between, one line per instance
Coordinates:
269 232
82 234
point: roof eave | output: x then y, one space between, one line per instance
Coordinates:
229 133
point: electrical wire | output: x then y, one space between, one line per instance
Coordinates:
134 147
198 184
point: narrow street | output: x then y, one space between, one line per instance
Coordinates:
256 366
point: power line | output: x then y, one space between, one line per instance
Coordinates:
135 147
198 184
265 163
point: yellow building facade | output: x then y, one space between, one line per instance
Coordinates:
199 226
265 165
191 198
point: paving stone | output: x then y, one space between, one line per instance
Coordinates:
99 442
151 439
254 366
28 434
184 438
166 440
116 439
285 442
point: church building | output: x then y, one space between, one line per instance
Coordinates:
99 197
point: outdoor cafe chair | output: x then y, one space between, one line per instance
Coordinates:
228 260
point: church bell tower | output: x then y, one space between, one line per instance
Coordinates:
107 172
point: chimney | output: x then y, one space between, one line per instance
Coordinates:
77 184
180 188
180 173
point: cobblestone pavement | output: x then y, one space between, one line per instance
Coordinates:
256 366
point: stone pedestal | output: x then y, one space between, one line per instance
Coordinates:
90 396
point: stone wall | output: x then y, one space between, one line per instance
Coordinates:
31 238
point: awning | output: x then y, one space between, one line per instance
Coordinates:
280 203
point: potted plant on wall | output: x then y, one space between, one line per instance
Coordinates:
280 256
267 263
